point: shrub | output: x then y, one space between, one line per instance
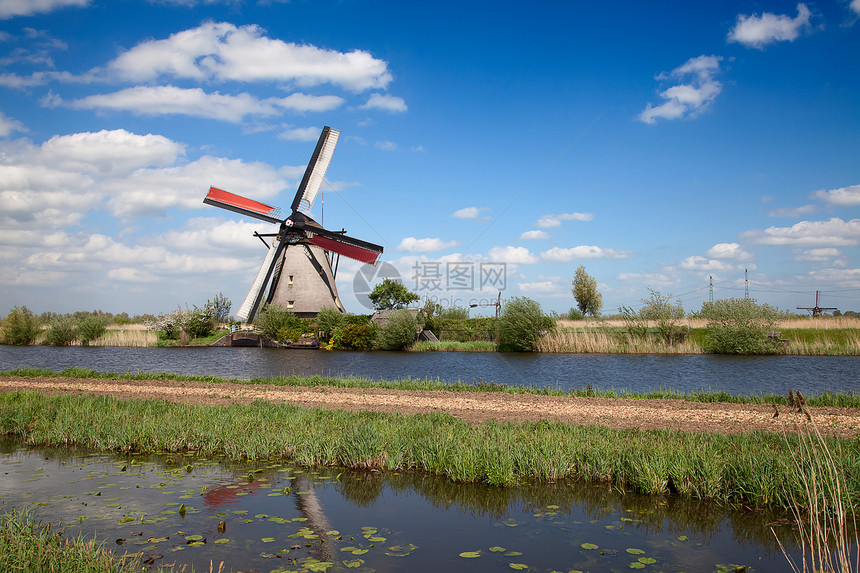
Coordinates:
353 336
92 328
740 326
520 325
199 322
574 314
60 332
19 327
398 332
278 323
328 319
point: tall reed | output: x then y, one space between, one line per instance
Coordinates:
589 341
822 507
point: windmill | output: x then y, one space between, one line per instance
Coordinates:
817 310
298 260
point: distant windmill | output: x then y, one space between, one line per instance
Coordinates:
816 310
298 261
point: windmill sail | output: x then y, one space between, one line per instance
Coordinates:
242 205
252 301
316 170
347 246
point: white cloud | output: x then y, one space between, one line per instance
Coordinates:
855 6
543 287
581 252
12 8
469 212
819 255
9 125
759 31
844 196
531 235
116 152
169 100
385 145
704 264
224 52
509 254
687 99
551 221
428 245
730 251
832 233
791 211
385 102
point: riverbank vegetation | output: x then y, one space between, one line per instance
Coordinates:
27 545
752 469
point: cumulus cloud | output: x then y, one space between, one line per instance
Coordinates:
687 99
551 221
831 233
531 235
469 212
704 264
729 251
581 252
12 8
759 31
544 287
385 102
171 100
824 254
109 152
220 51
855 6
844 196
9 125
511 254
428 245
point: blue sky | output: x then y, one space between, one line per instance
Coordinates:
660 145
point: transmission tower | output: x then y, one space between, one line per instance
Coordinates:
746 285
711 288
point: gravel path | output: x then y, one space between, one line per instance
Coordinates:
470 406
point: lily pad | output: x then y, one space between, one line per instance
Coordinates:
636 565
222 540
470 554
647 560
633 551
354 563
588 546
401 550
497 549
518 566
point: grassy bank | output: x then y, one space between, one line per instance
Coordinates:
26 545
840 400
755 469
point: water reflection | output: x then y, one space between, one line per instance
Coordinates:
192 510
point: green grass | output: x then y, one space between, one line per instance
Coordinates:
35 547
453 346
754 469
841 400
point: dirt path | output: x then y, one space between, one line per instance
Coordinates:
470 406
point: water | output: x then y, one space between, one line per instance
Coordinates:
170 507
638 373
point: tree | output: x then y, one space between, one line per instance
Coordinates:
659 311
398 332
19 327
329 319
219 307
521 322
588 299
391 294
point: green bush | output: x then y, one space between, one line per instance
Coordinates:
199 322
60 332
469 330
574 314
328 319
353 336
520 325
740 326
91 328
398 332
19 327
278 323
